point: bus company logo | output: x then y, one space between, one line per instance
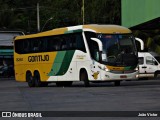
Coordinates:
80 56
38 58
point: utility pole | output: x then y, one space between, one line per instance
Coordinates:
46 23
83 11
38 19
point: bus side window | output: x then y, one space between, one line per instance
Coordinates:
63 44
57 42
26 46
93 46
71 43
53 44
80 42
19 46
50 45
94 50
41 45
88 36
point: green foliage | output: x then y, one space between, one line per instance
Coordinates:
103 11
151 39
22 14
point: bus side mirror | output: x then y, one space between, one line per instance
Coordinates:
98 42
141 43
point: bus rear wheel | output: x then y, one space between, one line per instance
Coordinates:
30 80
38 82
84 78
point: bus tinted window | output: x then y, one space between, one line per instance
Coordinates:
72 41
92 44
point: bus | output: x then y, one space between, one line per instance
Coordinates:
88 53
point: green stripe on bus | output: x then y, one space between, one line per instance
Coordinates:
73 31
62 62
57 63
66 62
127 68
130 68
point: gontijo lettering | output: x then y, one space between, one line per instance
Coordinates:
38 58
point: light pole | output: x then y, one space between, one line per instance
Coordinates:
38 19
83 11
46 23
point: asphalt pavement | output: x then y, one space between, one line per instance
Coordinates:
131 96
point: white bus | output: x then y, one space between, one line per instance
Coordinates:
88 53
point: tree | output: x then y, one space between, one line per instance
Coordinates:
15 14
103 11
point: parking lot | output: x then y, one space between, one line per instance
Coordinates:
141 95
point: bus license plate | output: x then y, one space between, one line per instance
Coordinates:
123 76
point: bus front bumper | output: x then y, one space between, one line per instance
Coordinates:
109 76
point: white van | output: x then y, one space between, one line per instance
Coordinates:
149 64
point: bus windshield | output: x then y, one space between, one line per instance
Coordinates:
115 46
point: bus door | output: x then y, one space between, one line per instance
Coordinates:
95 66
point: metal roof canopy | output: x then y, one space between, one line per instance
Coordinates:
6 37
150 25
141 14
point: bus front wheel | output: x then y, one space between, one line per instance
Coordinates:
84 78
30 80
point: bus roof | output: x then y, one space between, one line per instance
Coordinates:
106 29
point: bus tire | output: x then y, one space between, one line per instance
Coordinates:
84 78
117 83
30 79
37 80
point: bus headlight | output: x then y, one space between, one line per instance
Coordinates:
137 68
103 67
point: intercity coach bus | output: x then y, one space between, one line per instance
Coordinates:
88 53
